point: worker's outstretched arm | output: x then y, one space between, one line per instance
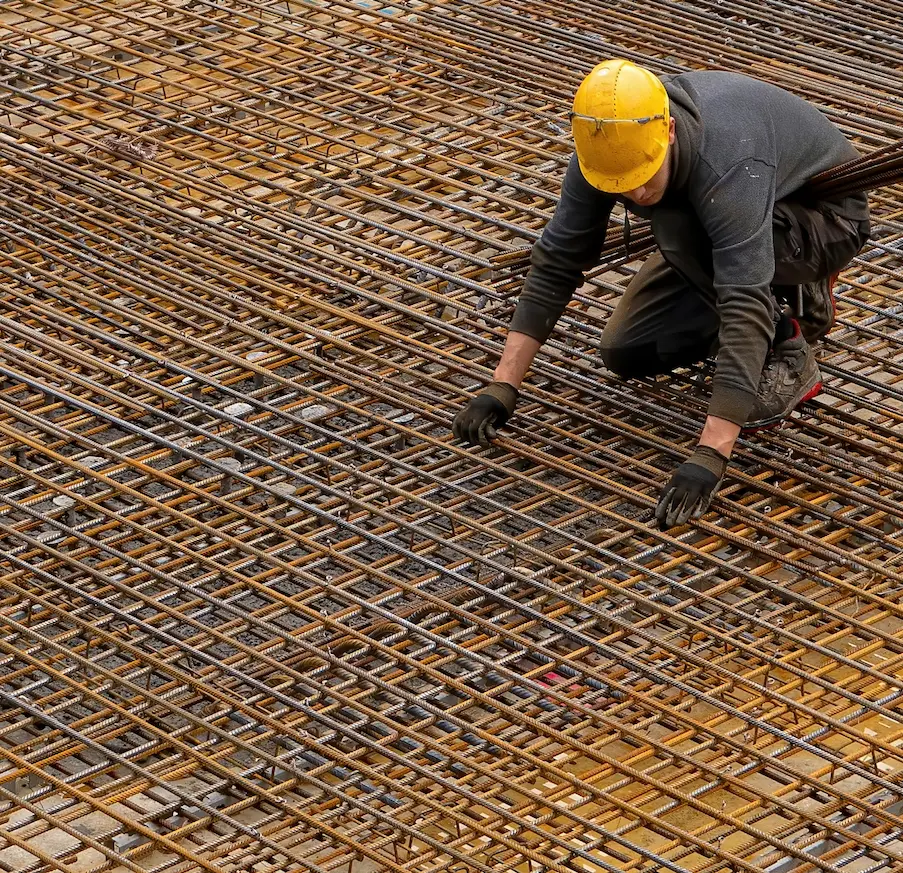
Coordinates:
492 407
690 490
743 264
570 244
520 349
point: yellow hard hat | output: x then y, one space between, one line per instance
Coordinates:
621 125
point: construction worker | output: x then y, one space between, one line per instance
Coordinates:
744 268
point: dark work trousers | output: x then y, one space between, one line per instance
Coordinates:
668 317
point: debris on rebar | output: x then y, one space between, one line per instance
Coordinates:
124 146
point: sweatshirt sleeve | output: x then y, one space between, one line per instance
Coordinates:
737 215
570 244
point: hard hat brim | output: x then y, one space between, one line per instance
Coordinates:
625 181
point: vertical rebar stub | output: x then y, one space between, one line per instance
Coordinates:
67 504
230 466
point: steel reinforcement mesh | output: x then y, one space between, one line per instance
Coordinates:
260 613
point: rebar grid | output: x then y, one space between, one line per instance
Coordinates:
261 613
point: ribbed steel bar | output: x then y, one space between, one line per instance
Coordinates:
261 613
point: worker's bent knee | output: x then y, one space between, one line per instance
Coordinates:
631 362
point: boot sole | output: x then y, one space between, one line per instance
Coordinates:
769 423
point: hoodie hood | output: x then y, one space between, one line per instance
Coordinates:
688 130
684 149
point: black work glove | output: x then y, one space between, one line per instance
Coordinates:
491 408
690 490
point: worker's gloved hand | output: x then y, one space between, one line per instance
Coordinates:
690 490
491 408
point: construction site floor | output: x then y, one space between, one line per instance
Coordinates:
259 612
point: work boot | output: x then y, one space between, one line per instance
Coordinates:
790 377
815 308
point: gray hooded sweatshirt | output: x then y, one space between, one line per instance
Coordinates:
741 145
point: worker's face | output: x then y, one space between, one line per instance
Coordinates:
653 191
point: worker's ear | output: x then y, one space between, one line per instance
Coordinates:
671 127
